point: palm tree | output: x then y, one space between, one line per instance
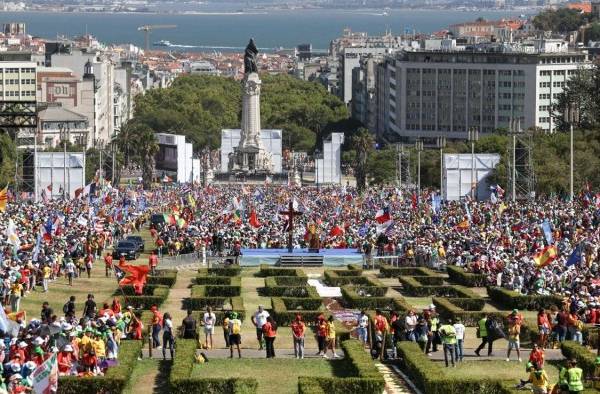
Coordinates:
363 143
146 148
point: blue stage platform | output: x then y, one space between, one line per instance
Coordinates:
331 257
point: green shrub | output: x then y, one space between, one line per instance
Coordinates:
234 270
284 315
458 275
218 280
341 277
428 376
180 381
115 379
429 280
267 270
365 376
355 300
511 299
355 267
287 280
163 277
585 358
388 271
216 291
412 287
152 295
302 303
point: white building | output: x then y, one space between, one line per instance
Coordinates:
17 79
433 93
175 158
329 163
56 124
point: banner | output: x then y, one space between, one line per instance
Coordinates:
45 377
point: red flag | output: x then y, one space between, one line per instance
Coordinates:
78 192
138 275
49 188
107 199
254 220
414 200
336 231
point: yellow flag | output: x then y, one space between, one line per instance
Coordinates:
3 199
501 208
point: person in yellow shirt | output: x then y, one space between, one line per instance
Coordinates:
99 347
330 337
46 273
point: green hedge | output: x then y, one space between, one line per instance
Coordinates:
268 270
355 300
163 277
388 271
412 287
216 291
273 289
458 275
152 295
284 311
181 382
355 267
234 270
429 280
429 377
366 378
511 299
585 358
115 379
288 280
217 303
218 280
342 277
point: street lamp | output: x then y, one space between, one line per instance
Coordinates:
473 136
317 153
571 116
419 149
441 144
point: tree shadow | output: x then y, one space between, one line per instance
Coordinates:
162 378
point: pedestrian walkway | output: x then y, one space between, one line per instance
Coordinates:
394 383
177 294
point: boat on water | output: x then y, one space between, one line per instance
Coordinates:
162 43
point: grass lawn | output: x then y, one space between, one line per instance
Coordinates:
512 371
275 375
143 377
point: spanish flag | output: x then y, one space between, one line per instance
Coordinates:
3 199
545 256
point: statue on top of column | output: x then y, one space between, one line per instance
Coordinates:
250 58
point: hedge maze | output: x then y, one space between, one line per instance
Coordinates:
219 288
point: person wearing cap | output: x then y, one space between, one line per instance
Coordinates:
298 330
65 360
433 322
235 330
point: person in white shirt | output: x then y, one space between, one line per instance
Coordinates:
363 324
208 320
460 339
259 319
410 322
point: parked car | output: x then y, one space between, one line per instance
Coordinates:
136 239
128 249
157 220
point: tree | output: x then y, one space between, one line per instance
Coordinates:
8 156
142 146
381 167
363 144
582 91
562 20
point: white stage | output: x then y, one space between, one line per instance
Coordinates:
458 178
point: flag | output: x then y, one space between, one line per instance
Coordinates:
5 323
501 208
181 222
79 191
254 220
415 203
258 196
99 226
468 211
192 201
436 203
499 192
119 273
383 215
388 231
545 256
45 376
363 230
49 188
575 256
3 199
44 195
336 231
48 230
138 275
11 235
463 225
381 228
547 232
38 246
493 198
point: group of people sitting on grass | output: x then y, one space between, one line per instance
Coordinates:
86 343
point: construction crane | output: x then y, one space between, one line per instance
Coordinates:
148 28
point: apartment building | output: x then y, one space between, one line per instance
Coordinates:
17 77
435 93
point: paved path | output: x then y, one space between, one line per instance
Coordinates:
246 353
394 383
180 291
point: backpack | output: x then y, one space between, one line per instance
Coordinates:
236 327
66 308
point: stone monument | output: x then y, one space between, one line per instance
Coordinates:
250 156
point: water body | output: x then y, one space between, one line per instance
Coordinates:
229 30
